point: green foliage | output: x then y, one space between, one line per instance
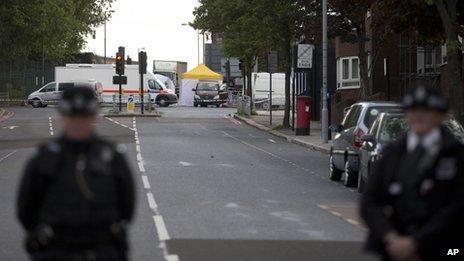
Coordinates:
58 27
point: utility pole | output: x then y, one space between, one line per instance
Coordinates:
104 48
325 112
198 42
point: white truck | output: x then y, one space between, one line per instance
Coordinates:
160 89
171 69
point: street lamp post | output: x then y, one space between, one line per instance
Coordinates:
325 111
198 43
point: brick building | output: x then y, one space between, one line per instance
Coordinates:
408 63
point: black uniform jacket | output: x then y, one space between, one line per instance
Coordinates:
76 185
433 214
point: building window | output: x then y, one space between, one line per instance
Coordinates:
348 73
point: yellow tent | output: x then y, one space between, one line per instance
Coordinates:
202 72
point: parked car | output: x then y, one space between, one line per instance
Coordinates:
51 92
344 153
387 128
209 93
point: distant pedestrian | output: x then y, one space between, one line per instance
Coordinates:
414 202
77 193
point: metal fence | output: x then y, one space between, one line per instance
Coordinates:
20 78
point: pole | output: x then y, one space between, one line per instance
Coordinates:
293 100
387 77
120 94
198 42
104 48
270 99
325 112
141 94
204 46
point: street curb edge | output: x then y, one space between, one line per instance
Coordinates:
281 135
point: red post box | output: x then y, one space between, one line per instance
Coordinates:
303 115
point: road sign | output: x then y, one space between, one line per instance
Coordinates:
130 104
272 60
120 79
305 56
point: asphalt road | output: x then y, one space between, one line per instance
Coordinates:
208 186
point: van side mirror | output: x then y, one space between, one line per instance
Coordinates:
336 128
368 138
194 90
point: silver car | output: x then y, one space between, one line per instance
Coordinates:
344 153
51 92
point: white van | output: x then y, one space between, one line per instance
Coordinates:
51 92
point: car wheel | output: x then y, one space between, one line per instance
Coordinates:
350 179
203 105
219 105
334 174
163 102
195 104
36 103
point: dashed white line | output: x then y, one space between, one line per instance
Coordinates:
7 156
50 124
146 183
151 201
271 140
141 167
161 229
163 234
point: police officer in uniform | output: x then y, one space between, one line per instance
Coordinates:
77 193
414 202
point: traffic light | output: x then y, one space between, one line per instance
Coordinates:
119 63
142 62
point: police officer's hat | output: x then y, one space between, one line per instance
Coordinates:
425 97
78 100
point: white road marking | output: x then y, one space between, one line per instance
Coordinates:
163 234
352 221
172 258
335 213
271 140
141 167
7 155
50 124
161 229
146 183
185 164
151 201
120 124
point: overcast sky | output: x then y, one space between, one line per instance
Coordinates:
152 24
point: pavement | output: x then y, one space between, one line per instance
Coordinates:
208 187
262 122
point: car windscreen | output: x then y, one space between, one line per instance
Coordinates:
209 87
373 112
392 128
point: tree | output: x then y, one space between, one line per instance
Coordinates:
56 27
354 13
